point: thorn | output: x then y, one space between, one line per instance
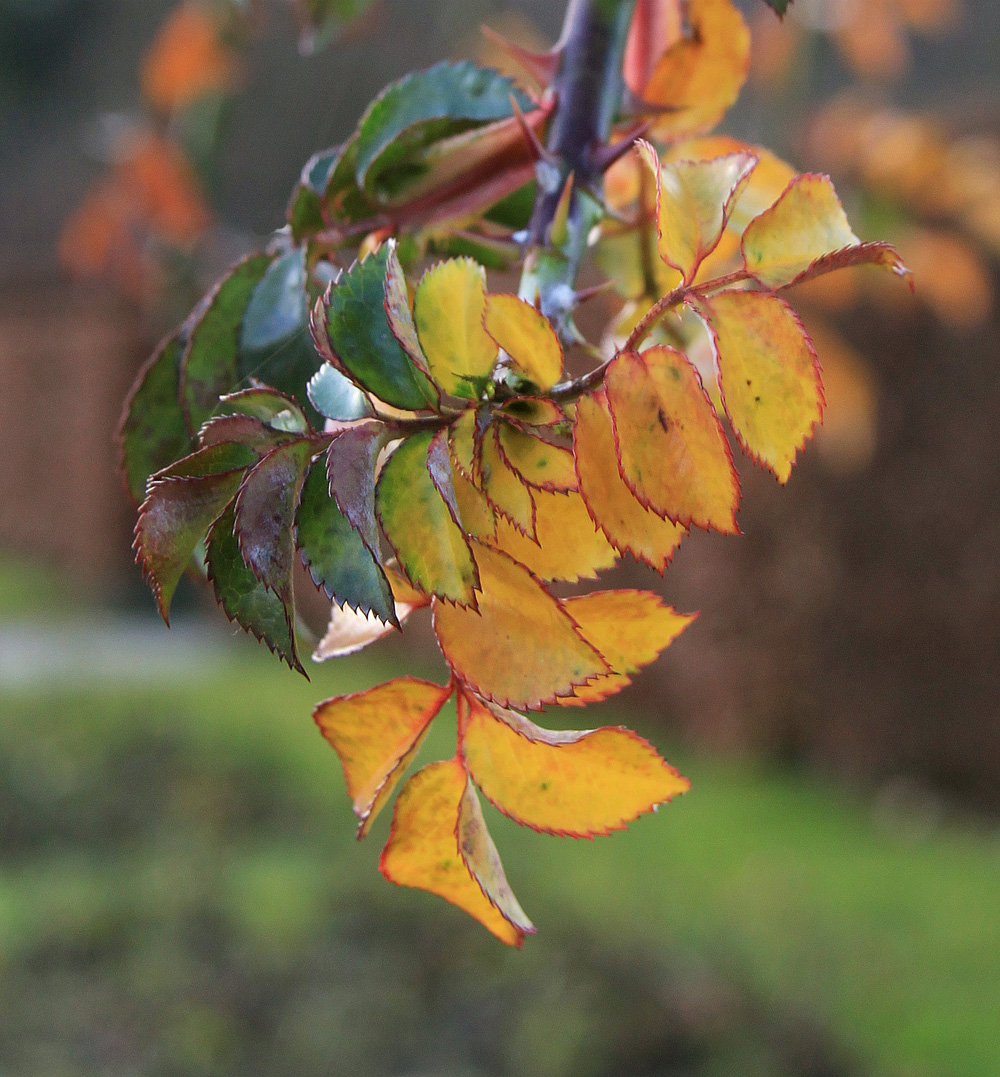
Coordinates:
603 157
597 289
541 66
539 151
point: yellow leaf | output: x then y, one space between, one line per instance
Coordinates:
448 309
702 74
629 526
376 734
768 375
527 336
672 452
475 516
503 487
806 233
628 628
462 443
567 544
422 850
520 649
539 463
572 783
693 200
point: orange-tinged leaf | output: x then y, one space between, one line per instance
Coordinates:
567 544
629 628
693 200
700 76
805 233
539 463
420 525
423 852
448 309
503 487
187 60
376 734
527 336
768 375
483 861
520 649
629 526
573 783
672 452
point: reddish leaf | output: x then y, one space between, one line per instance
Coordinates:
573 783
768 374
629 526
265 515
672 451
520 648
376 734
423 850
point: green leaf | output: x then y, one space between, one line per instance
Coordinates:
336 397
153 433
305 207
335 554
423 107
181 504
244 598
277 410
361 343
211 361
265 516
279 306
420 524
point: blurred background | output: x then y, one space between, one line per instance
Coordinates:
179 888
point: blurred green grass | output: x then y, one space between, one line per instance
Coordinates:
128 804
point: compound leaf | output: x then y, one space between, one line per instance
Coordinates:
376 734
519 648
628 525
768 375
672 451
573 783
423 850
